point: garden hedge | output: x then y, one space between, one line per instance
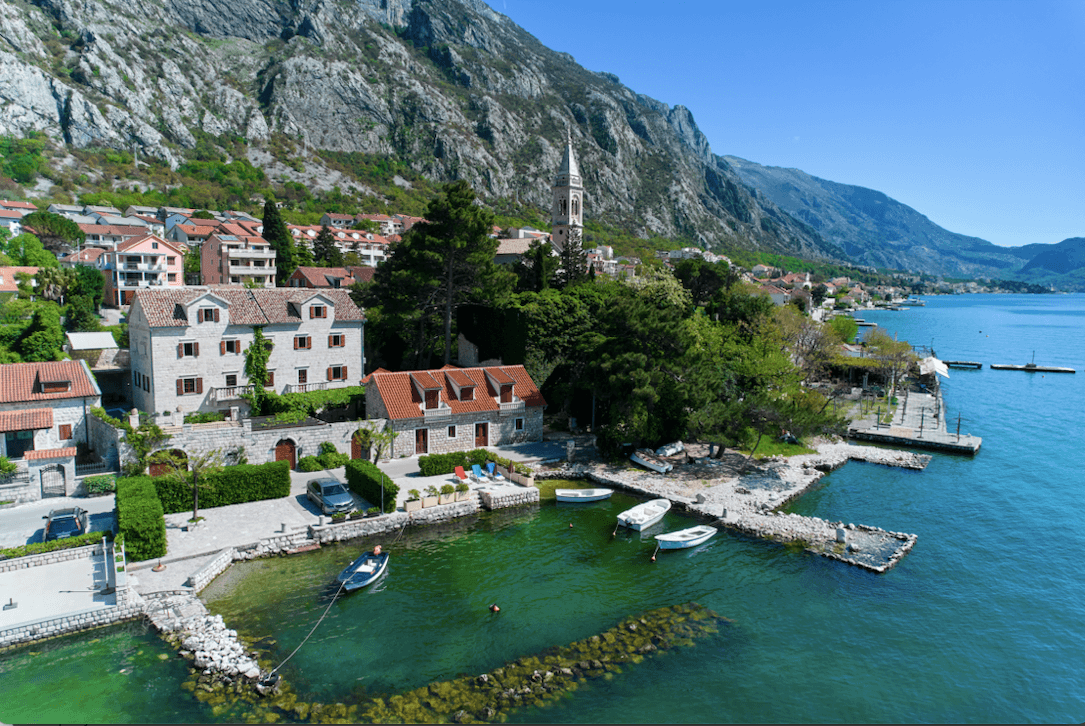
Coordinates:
231 485
438 464
140 518
366 480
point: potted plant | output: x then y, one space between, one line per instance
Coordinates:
415 502
430 500
462 491
447 493
339 517
357 514
373 512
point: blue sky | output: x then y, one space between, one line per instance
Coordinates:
972 113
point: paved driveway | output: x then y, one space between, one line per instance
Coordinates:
24 524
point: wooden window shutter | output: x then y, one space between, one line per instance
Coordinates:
216 315
222 347
199 315
199 385
312 311
180 350
329 374
270 379
297 343
65 432
331 341
180 387
196 349
344 373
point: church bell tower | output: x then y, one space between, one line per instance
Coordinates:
568 211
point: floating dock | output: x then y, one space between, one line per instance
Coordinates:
918 423
963 364
1032 368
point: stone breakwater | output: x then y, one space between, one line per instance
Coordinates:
749 502
202 639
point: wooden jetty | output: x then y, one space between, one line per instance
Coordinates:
1031 367
963 364
865 324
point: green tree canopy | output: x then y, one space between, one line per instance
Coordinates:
56 233
325 251
278 236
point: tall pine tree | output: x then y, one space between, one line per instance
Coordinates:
325 251
278 236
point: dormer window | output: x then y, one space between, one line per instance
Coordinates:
318 311
432 400
207 315
467 393
55 386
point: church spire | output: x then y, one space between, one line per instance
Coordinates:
568 197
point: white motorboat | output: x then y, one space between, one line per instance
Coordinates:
683 538
644 515
583 495
648 459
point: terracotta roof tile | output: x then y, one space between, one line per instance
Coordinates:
33 419
9 281
165 308
458 377
63 453
402 400
8 204
21 382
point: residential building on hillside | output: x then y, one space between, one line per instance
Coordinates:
456 409
109 236
187 345
138 264
337 221
23 208
43 406
89 256
9 279
10 221
512 250
329 277
230 260
371 249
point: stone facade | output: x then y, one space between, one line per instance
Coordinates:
501 429
199 365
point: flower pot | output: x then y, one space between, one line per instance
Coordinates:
412 505
447 498
463 496
429 501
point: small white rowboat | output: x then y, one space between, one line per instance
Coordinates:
644 515
685 537
583 495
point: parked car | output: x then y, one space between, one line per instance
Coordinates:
330 495
64 523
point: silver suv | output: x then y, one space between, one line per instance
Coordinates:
330 495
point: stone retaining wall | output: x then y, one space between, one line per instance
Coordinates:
199 579
71 623
508 497
50 558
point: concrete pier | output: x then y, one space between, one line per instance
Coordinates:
919 422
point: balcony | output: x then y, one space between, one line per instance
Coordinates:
157 267
437 413
513 406
248 254
229 393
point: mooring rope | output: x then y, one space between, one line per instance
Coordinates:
303 642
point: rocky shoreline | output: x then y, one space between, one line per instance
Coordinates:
749 502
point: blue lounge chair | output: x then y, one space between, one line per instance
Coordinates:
494 474
476 473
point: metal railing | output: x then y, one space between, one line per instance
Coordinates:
94 467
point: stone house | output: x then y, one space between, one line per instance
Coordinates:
456 409
187 345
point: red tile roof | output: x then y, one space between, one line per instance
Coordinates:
136 241
89 254
337 215
402 400
63 453
119 230
166 308
20 382
8 204
196 222
8 280
33 419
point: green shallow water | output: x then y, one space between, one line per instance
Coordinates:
981 623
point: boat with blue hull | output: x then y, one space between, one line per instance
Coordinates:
363 571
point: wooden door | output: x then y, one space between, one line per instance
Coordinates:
284 451
357 451
421 441
482 434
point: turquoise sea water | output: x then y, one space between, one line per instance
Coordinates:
983 622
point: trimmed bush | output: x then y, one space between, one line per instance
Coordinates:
334 460
232 485
366 480
140 518
309 463
38 548
437 464
101 484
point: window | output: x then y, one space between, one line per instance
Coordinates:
467 393
506 394
302 342
519 424
336 341
207 315
451 432
318 311
65 432
55 386
189 385
231 380
230 346
431 399
338 373
172 261
188 350
270 382
303 376
154 245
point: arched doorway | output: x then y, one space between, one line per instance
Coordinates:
357 449
159 461
285 451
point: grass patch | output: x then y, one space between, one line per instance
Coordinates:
547 487
778 448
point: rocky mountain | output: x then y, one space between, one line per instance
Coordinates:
877 230
450 87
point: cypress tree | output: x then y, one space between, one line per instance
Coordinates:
278 236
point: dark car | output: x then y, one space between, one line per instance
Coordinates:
64 523
330 495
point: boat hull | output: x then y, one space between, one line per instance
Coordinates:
582 495
644 515
685 538
363 571
650 461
